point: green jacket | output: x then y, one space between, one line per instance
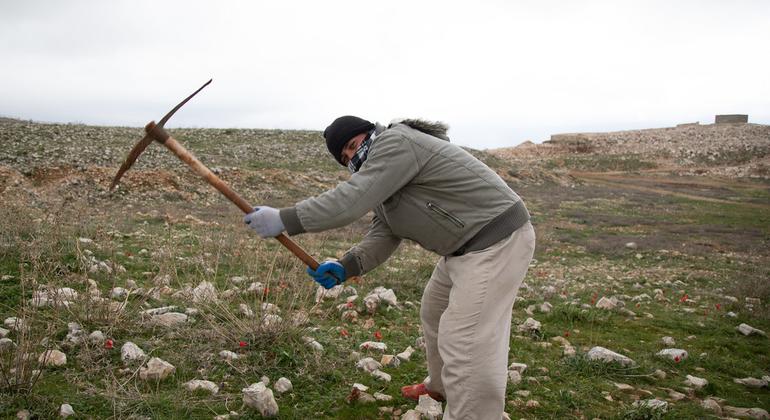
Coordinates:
420 187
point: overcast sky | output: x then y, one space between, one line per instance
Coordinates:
498 72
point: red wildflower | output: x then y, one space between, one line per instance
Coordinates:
566 333
677 359
242 344
684 298
109 344
378 335
344 333
718 306
350 305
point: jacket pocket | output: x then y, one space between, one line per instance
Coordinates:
435 208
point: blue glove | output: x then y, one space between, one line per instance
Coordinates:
266 221
326 273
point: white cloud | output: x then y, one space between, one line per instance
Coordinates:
498 72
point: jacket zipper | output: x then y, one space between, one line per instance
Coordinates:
446 214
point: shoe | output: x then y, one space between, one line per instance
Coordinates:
413 392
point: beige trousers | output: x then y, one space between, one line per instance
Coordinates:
466 320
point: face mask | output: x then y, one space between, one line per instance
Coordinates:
359 157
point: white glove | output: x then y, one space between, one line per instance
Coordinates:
266 221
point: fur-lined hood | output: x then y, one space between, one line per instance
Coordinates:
433 128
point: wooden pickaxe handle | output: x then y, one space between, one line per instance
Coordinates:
162 136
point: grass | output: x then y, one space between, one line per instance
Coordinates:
705 250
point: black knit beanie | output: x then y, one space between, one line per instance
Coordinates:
339 132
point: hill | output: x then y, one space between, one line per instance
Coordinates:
647 240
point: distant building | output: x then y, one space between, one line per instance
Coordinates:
731 119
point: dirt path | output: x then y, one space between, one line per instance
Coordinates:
636 183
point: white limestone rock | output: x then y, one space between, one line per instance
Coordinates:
695 382
530 326
118 293
157 369
66 410
514 377
204 292
676 355
196 384
607 303
169 319
605 355
228 355
381 376
406 354
130 352
52 358
368 364
323 294
749 413
283 385
14 324
373 345
6 345
747 330
669 341
653 404
260 397
429 408
518 367
379 396
4 333
245 310
751 382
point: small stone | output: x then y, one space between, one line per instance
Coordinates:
747 330
66 410
204 292
244 310
631 245
381 376
13 323
96 337
23 415
653 404
669 341
260 397
752 413
751 382
514 377
197 384
429 408
228 355
411 415
711 405
157 369
373 345
530 326
605 355
624 387
130 352
3 332
282 385
695 382
368 364
169 319
518 367
605 303
676 396
390 361
53 358
6 344
522 393
406 354
379 396
265 380
676 355
532 404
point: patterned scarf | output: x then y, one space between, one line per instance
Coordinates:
362 152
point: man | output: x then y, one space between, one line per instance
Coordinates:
423 188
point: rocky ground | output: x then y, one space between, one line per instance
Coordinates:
648 296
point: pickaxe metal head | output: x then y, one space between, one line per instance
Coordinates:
149 137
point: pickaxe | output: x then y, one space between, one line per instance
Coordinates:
158 133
